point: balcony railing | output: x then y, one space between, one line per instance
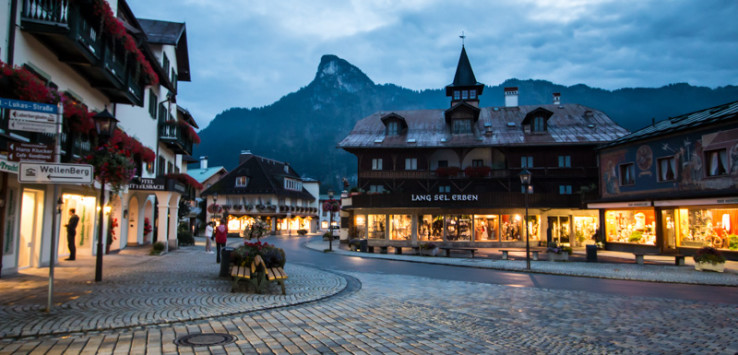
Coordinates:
172 134
66 28
492 174
470 200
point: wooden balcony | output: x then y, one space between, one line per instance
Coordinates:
173 135
71 31
578 172
470 200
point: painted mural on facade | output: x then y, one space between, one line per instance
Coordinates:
700 161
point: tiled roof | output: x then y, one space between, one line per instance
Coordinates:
717 114
266 177
570 123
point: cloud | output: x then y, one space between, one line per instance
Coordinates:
250 53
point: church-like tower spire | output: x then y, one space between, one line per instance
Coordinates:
465 87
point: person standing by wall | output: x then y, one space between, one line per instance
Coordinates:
209 238
71 234
221 237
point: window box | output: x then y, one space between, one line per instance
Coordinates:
449 171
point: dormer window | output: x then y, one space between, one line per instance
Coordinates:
464 94
393 128
473 94
457 95
538 124
242 181
292 184
462 126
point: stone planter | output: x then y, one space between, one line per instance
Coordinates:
563 256
719 267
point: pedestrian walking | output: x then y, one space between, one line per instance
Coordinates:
209 238
71 234
221 236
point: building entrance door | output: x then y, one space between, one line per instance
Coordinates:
669 229
560 229
32 205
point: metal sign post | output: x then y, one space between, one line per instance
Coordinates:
57 213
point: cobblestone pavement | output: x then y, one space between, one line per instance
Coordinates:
358 313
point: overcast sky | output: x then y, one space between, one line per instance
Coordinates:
251 53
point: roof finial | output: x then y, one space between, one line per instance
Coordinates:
462 38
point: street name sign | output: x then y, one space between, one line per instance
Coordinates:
31 121
28 106
53 173
30 152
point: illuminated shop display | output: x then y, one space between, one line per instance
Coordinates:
630 226
430 227
585 229
236 224
377 223
458 227
699 227
486 228
400 227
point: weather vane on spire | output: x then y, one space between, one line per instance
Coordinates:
462 38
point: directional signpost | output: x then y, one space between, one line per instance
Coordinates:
30 152
31 116
55 173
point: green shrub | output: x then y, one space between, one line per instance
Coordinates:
302 231
157 248
709 255
185 238
733 242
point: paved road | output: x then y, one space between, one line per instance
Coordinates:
374 312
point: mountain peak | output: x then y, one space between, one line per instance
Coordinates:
337 73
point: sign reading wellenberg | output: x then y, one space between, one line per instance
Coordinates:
53 173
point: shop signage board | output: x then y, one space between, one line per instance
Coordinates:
54 173
158 184
30 152
8 166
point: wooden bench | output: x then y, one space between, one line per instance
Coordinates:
448 250
678 258
257 272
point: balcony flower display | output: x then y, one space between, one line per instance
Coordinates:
189 131
448 171
20 84
477 171
77 118
113 27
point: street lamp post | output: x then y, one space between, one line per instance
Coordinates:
525 177
105 125
330 224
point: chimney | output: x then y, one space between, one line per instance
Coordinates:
203 162
557 98
245 154
511 96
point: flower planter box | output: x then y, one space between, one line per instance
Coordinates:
563 256
719 267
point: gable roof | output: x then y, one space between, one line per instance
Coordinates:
569 124
174 34
203 174
266 177
717 114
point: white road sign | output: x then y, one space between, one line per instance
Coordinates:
52 173
32 121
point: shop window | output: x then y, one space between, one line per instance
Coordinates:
511 228
411 164
564 161
486 228
430 227
377 164
627 174
458 228
560 229
533 226
630 226
704 227
585 229
564 189
400 227
376 227
667 169
526 161
717 162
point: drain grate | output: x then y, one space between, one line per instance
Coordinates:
205 339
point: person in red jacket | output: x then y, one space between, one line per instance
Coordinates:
221 237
